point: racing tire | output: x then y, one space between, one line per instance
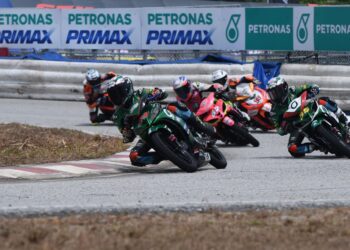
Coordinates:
339 146
163 146
217 159
242 136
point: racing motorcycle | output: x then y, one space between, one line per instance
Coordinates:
171 137
255 102
319 125
228 120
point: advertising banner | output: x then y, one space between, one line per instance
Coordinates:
272 28
185 28
101 29
269 28
332 28
29 28
232 29
303 35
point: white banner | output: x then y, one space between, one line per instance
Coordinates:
185 28
101 29
29 28
232 32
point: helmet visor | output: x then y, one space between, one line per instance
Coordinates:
278 94
221 81
183 92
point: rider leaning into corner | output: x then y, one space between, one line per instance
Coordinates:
230 84
191 93
122 94
95 99
281 95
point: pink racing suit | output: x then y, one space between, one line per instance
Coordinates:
196 97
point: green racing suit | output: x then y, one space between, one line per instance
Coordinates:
124 117
295 146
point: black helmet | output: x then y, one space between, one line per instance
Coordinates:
278 90
93 76
120 89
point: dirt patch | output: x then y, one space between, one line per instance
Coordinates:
24 144
289 229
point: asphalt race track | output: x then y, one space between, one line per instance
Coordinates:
255 177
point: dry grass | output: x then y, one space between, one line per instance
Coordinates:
290 229
24 144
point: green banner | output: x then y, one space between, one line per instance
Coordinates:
332 28
269 28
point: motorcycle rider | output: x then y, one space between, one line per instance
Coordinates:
190 93
281 95
95 99
122 94
221 77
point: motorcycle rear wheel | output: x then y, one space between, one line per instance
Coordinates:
242 136
181 158
339 146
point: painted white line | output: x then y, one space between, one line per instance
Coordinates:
117 163
13 173
118 159
71 169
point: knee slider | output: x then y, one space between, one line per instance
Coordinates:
293 148
133 156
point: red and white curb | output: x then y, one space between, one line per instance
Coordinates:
108 165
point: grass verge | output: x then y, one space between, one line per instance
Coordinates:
288 229
24 144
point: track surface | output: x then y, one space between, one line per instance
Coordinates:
255 177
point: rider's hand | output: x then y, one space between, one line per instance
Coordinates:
101 101
128 135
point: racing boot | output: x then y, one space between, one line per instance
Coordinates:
344 120
342 117
139 155
202 126
302 149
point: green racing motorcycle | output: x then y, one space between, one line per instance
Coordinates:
172 138
319 125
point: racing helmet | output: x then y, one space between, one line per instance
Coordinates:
277 90
183 88
92 76
119 90
219 76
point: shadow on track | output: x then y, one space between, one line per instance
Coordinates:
307 157
232 145
159 169
109 124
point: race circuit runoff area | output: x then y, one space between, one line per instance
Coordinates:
266 176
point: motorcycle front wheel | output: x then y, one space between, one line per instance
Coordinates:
170 151
217 159
335 143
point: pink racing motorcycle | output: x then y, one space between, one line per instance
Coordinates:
228 120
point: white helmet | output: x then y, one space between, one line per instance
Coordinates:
277 90
183 88
219 76
93 76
